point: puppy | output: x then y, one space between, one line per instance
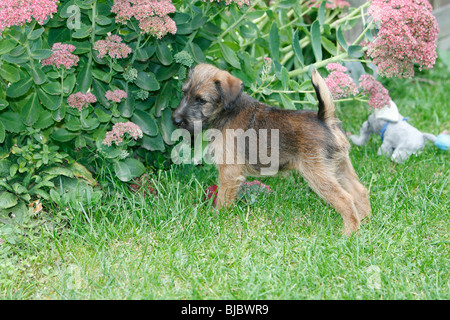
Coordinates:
310 142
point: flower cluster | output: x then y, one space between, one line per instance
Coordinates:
152 15
407 35
115 95
184 58
119 130
130 74
378 95
112 46
80 100
62 55
340 84
240 3
18 12
331 4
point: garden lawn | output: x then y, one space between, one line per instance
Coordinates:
286 246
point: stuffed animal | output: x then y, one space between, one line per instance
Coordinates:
400 139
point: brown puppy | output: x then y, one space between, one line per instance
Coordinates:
311 142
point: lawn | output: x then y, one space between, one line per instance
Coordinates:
285 246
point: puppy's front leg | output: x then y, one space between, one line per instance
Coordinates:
230 179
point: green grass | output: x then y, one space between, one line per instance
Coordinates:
290 246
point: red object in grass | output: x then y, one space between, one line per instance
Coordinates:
141 184
210 192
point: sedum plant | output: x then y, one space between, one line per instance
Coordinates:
92 83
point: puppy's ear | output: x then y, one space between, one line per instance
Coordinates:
230 89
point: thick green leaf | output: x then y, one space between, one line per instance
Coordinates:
153 143
36 34
45 120
63 135
59 114
12 121
80 171
102 20
136 167
126 107
196 52
296 48
90 123
51 102
15 59
341 39
147 81
82 32
284 78
40 54
9 72
145 121
59 171
329 46
355 51
145 52
230 56
84 78
321 14
102 116
52 87
69 83
99 91
2 132
122 171
274 42
19 88
39 76
315 40
7 46
101 75
7 200
287 102
3 104
5 167
163 52
167 126
30 111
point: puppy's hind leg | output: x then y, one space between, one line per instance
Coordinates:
323 181
349 181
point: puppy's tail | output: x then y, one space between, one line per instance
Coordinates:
326 105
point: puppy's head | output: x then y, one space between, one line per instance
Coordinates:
207 92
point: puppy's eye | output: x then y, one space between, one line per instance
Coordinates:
200 100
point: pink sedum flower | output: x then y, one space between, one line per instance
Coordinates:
158 26
152 15
19 12
378 95
407 34
340 84
62 55
119 130
331 4
80 100
112 46
116 95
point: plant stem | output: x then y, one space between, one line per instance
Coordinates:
223 34
137 47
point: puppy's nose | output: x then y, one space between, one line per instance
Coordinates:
177 120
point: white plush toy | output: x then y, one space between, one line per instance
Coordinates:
400 139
